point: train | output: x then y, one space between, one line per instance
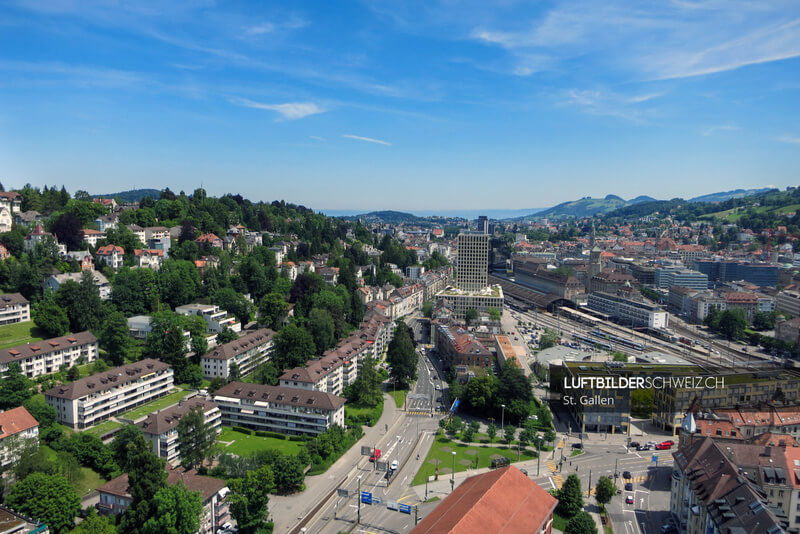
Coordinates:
625 342
592 341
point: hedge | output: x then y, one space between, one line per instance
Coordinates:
269 434
243 430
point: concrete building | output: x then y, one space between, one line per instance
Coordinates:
161 428
460 348
293 411
480 301
788 331
667 277
148 258
628 311
473 261
46 357
10 204
760 274
115 496
788 302
247 352
94 399
16 427
102 283
501 501
14 308
111 255
92 236
215 318
536 276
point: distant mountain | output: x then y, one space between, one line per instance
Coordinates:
727 195
387 216
641 198
134 195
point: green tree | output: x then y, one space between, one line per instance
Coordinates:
605 490
272 310
471 316
73 373
427 309
508 434
548 339
135 291
234 374
570 497
479 392
145 477
226 335
402 357
733 323
177 511
581 523
494 314
128 443
49 498
249 499
294 346
366 390
81 302
322 329
642 402
491 431
15 388
234 303
115 338
195 438
178 282
51 318
549 435
94 524
69 466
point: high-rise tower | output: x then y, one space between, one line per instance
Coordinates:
473 261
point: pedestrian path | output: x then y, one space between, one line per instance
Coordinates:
558 480
551 465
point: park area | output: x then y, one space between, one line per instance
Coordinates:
243 445
441 456
16 334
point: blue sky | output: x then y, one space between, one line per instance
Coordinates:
437 104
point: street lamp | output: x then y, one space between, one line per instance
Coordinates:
453 474
358 497
503 417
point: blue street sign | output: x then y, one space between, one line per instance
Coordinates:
366 497
404 508
655 459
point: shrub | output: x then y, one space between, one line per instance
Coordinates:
243 430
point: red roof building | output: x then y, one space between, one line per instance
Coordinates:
503 501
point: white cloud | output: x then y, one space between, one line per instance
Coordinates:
290 110
644 98
610 104
317 138
720 128
260 29
792 140
367 139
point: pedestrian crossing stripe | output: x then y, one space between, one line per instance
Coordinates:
558 480
561 444
594 491
418 412
551 466
637 478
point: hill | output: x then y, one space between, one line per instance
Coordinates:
134 195
727 195
577 209
642 198
387 216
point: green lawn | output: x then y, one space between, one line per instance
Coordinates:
103 428
243 444
88 481
399 397
19 334
559 522
157 404
443 448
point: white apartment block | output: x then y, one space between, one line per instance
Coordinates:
161 428
16 426
92 236
247 352
279 409
215 318
138 231
94 399
629 311
14 308
473 261
46 357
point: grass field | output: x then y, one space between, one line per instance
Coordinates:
442 451
399 397
157 404
103 428
89 480
19 334
559 522
243 445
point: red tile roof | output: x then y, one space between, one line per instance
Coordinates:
503 501
16 420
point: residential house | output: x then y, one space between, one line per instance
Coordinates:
92 236
148 258
111 255
209 239
161 428
105 222
14 308
16 426
102 283
246 352
215 318
47 356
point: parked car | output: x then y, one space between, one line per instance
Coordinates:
667 445
629 486
394 465
644 447
634 444
629 499
577 445
626 474
668 529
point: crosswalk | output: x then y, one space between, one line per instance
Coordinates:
558 480
637 478
418 412
588 493
551 465
561 444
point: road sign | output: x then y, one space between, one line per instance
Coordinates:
366 450
381 466
343 492
391 505
366 497
404 508
655 459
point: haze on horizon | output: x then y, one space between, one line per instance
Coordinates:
384 105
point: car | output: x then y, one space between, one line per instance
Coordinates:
668 442
665 446
375 456
629 499
652 443
438 387
629 486
533 417
524 472
438 399
226 525
626 474
669 528
634 444
644 447
577 445
394 465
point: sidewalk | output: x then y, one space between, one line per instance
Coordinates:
287 511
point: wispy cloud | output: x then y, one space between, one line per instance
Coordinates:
367 139
289 110
644 98
317 138
790 139
596 102
259 29
711 130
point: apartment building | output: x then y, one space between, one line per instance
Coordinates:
459 348
473 261
102 283
287 410
161 427
215 318
14 308
91 400
247 352
92 236
628 311
115 496
46 357
111 255
16 427
148 258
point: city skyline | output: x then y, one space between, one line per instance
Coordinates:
374 105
